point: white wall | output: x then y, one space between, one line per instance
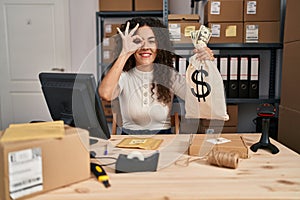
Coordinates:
83 35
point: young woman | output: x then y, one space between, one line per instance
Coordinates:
143 77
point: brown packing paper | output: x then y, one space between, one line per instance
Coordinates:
30 131
236 144
140 143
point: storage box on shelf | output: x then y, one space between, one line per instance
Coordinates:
180 27
115 5
146 5
225 18
226 32
261 10
229 126
224 11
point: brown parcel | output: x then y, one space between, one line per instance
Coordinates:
226 32
186 24
262 32
146 5
261 10
63 161
236 145
229 11
229 126
115 5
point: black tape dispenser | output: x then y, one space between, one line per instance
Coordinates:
136 162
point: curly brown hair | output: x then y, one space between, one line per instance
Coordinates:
163 63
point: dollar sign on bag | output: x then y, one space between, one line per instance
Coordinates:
197 93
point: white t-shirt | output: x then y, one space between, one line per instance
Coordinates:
140 110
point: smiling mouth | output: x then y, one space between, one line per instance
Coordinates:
145 55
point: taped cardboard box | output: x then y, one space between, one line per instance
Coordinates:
262 32
226 32
290 76
261 10
291 26
115 5
236 144
180 27
110 30
224 11
46 164
146 5
229 126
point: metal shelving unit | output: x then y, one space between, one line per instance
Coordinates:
273 48
102 16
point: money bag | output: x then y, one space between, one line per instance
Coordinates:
205 96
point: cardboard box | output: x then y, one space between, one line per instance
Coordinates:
109 43
180 27
108 56
226 32
110 30
291 25
146 5
229 126
288 127
261 10
224 11
236 144
262 32
46 164
290 96
115 5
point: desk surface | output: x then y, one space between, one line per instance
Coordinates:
262 176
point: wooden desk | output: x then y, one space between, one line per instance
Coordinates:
262 176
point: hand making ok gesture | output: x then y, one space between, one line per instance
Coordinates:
130 42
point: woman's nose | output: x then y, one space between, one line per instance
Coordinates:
146 45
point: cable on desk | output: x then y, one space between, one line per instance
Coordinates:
111 163
93 156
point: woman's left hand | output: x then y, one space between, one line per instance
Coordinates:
204 53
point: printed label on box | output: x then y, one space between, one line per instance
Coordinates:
25 172
108 28
106 42
219 140
215 7
215 30
251 7
175 34
252 33
106 55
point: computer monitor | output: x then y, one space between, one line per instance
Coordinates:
73 98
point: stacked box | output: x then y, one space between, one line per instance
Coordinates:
289 109
109 44
262 21
180 27
229 126
225 18
146 5
115 5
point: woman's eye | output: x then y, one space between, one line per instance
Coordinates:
152 41
137 41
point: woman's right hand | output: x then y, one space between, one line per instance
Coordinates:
130 42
